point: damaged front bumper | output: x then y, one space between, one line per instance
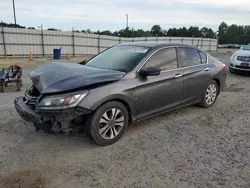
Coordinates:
49 120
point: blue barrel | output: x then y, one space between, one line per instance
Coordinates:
57 53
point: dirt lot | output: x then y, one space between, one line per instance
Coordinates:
190 147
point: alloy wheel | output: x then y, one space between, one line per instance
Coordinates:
111 123
211 94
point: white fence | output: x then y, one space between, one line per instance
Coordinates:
20 42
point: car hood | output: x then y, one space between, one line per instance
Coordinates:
242 53
53 77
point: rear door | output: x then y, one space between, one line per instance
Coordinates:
196 73
155 94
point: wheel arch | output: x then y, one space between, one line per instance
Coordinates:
218 84
119 98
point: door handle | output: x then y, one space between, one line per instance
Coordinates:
207 69
178 75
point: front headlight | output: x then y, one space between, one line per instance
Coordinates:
62 101
233 57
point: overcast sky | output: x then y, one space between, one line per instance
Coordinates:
110 14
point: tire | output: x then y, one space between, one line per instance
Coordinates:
208 103
114 128
1 87
231 70
18 86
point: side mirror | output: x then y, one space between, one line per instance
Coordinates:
149 71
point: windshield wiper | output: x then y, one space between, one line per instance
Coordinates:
82 62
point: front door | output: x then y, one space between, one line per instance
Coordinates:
156 94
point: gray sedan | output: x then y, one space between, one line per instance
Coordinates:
123 84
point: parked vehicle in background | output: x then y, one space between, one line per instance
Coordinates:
123 84
229 46
9 76
237 46
240 60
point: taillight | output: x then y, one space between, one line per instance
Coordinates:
224 67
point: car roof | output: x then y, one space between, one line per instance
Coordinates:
155 44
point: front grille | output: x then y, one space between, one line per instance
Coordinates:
32 95
242 67
30 99
243 58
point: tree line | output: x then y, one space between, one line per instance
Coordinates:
157 31
227 34
234 34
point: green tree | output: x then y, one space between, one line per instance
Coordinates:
222 33
172 32
194 32
222 29
156 30
232 33
182 32
53 29
106 32
207 32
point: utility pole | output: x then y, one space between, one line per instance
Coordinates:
73 40
126 24
43 50
126 20
14 11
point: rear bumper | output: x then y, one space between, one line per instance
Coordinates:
222 77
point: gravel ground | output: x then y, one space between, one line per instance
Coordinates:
190 147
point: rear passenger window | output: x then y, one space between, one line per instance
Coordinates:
189 57
203 57
165 59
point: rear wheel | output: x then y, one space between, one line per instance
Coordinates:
1 87
108 123
210 95
18 86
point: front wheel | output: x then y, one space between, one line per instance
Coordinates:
210 95
108 124
231 70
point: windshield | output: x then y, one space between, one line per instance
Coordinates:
120 58
247 47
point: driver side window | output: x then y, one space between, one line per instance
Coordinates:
165 59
